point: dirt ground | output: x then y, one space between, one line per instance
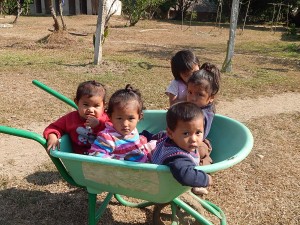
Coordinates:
263 189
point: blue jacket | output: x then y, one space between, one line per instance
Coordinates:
182 163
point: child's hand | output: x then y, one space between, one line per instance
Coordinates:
52 142
210 182
207 142
92 122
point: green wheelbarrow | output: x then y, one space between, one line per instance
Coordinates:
153 184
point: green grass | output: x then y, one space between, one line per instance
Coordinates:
261 81
270 70
64 70
276 49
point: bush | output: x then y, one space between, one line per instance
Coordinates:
292 30
10 7
136 9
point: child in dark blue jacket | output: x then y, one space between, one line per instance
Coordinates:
178 146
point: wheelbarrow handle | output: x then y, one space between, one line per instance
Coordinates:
24 134
37 137
55 93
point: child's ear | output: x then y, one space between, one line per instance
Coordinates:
141 115
169 133
211 98
76 101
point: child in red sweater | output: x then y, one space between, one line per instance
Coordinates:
82 125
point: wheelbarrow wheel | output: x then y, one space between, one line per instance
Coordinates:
162 215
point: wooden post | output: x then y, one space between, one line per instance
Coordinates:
99 32
227 65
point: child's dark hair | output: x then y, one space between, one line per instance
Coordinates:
122 96
90 88
210 73
183 61
182 111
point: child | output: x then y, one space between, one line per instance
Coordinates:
81 125
183 64
203 86
178 147
120 139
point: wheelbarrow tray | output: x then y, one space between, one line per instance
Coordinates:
231 141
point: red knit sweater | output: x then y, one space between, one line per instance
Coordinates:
72 124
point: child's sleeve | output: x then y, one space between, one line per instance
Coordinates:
58 128
184 171
148 146
103 145
172 88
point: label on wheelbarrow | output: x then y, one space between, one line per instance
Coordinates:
121 177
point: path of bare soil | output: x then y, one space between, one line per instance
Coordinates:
15 151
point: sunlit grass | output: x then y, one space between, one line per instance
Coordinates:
258 68
262 80
276 49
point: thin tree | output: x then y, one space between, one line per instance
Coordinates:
56 24
100 32
109 14
287 16
61 2
274 11
246 15
227 65
219 13
19 10
53 14
278 16
1 7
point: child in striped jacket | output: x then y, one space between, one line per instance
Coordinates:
120 139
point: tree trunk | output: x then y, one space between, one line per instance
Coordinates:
61 16
19 11
227 65
99 32
56 24
1 7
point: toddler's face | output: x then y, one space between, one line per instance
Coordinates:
198 94
188 135
125 119
185 76
90 106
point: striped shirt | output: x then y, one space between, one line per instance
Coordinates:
110 144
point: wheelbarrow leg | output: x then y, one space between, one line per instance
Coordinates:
191 211
174 212
208 206
92 208
94 213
